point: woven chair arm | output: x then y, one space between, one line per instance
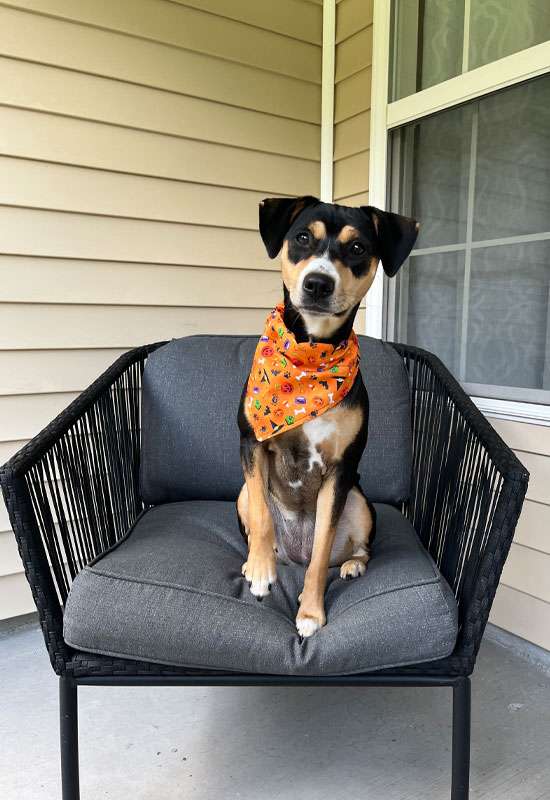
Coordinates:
467 491
73 490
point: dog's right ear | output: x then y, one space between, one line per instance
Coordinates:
277 215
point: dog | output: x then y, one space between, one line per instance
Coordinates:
301 500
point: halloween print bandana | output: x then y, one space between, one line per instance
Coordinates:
291 383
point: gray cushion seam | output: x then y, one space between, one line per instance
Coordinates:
189 589
387 591
131 656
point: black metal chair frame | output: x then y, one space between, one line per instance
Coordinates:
73 491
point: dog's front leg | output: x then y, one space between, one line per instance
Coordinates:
259 569
330 502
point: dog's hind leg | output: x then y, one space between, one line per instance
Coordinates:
358 523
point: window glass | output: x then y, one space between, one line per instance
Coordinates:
435 40
476 289
499 28
427 40
512 180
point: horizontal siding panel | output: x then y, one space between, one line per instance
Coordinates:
533 528
528 571
28 183
7 450
290 17
351 175
191 29
44 371
352 95
360 199
52 327
32 280
15 596
50 41
354 54
24 416
351 16
523 436
4 519
523 615
352 136
48 137
539 482
80 236
10 560
61 91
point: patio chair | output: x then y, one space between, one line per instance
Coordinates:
124 513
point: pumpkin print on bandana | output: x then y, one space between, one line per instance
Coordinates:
291 383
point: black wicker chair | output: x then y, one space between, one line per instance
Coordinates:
73 492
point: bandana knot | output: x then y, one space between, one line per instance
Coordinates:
291 383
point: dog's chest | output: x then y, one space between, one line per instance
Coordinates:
299 459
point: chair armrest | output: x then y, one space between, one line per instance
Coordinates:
467 491
73 490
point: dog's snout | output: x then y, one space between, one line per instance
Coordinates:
318 286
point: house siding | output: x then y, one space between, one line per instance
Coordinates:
352 93
136 140
522 603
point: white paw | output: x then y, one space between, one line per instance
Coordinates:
260 577
306 626
352 569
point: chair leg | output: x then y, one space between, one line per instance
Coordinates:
68 726
461 739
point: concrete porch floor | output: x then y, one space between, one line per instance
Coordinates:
263 743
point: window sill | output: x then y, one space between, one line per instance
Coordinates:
533 413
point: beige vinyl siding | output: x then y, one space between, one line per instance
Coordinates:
352 92
136 140
522 603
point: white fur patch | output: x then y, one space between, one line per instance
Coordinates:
307 626
295 484
316 431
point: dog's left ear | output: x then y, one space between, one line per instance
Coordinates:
277 215
396 236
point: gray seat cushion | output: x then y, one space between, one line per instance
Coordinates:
172 593
190 439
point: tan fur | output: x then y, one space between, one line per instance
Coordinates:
291 272
348 233
353 289
318 229
312 604
259 569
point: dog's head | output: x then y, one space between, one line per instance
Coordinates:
330 253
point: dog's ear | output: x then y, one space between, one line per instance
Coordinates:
277 215
396 236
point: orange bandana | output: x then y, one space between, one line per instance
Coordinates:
291 383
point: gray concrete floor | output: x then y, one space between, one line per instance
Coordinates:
263 743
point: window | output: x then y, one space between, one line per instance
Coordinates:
468 154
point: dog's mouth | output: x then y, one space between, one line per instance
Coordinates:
317 310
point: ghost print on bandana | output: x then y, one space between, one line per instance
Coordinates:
291 383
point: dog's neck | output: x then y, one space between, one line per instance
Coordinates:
297 325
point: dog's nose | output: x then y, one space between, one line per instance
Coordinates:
318 285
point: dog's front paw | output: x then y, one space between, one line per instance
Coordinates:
309 620
260 571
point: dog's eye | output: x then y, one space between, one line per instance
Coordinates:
356 249
302 237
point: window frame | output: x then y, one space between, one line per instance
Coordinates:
386 116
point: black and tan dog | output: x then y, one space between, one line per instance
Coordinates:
301 500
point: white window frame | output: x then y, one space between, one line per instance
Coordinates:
385 116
